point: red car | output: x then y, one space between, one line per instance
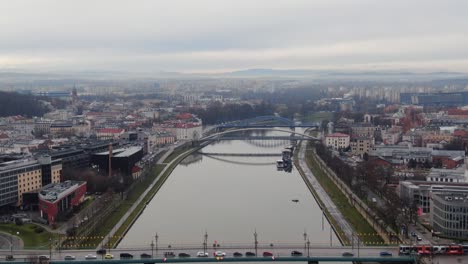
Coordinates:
267 254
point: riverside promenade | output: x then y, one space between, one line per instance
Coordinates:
323 197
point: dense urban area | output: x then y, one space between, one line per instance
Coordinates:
79 159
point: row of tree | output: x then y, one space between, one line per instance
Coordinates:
365 178
217 112
12 103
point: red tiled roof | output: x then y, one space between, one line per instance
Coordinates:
184 116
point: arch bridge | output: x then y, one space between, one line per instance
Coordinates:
265 121
293 135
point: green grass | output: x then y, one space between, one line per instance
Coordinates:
176 153
31 239
367 233
318 117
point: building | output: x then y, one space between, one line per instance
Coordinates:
418 194
363 130
448 159
337 141
109 133
19 177
361 145
188 131
123 159
445 175
57 200
400 155
61 129
449 212
435 99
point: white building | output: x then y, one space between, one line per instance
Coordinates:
337 141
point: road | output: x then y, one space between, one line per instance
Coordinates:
6 240
323 195
280 251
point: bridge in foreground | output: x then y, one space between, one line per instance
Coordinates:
281 253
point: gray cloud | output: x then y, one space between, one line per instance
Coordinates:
215 35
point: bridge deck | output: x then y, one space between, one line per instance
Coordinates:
399 259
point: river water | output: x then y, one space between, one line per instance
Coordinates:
230 198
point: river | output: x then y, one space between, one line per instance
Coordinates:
230 198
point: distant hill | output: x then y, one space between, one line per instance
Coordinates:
12 103
337 74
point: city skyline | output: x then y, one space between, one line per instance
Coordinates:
219 36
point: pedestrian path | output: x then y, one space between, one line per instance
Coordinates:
323 195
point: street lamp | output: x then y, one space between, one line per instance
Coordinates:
205 242
156 244
305 240
50 248
308 247
152 249
256 242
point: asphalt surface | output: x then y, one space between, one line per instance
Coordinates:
317 251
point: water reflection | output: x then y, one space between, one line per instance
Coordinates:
230 198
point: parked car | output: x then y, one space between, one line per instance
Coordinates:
202 254
220 254
69 257
296 253
385 254
249 254
126 255
237 254
347 254
90 256
144 255
184 255
419 238
267 254
101 251
108 256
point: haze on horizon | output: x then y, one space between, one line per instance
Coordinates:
224 35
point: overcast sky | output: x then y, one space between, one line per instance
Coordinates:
219 35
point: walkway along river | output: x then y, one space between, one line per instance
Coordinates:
230 198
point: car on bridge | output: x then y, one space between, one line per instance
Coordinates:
202 254
237 254
347 254
126 256
296 253
145 256
101 251
267 254
249 254
43 257
220 254
109 256
184 255
69 257
385 254
90 257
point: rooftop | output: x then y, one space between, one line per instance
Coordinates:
54 191
129 151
